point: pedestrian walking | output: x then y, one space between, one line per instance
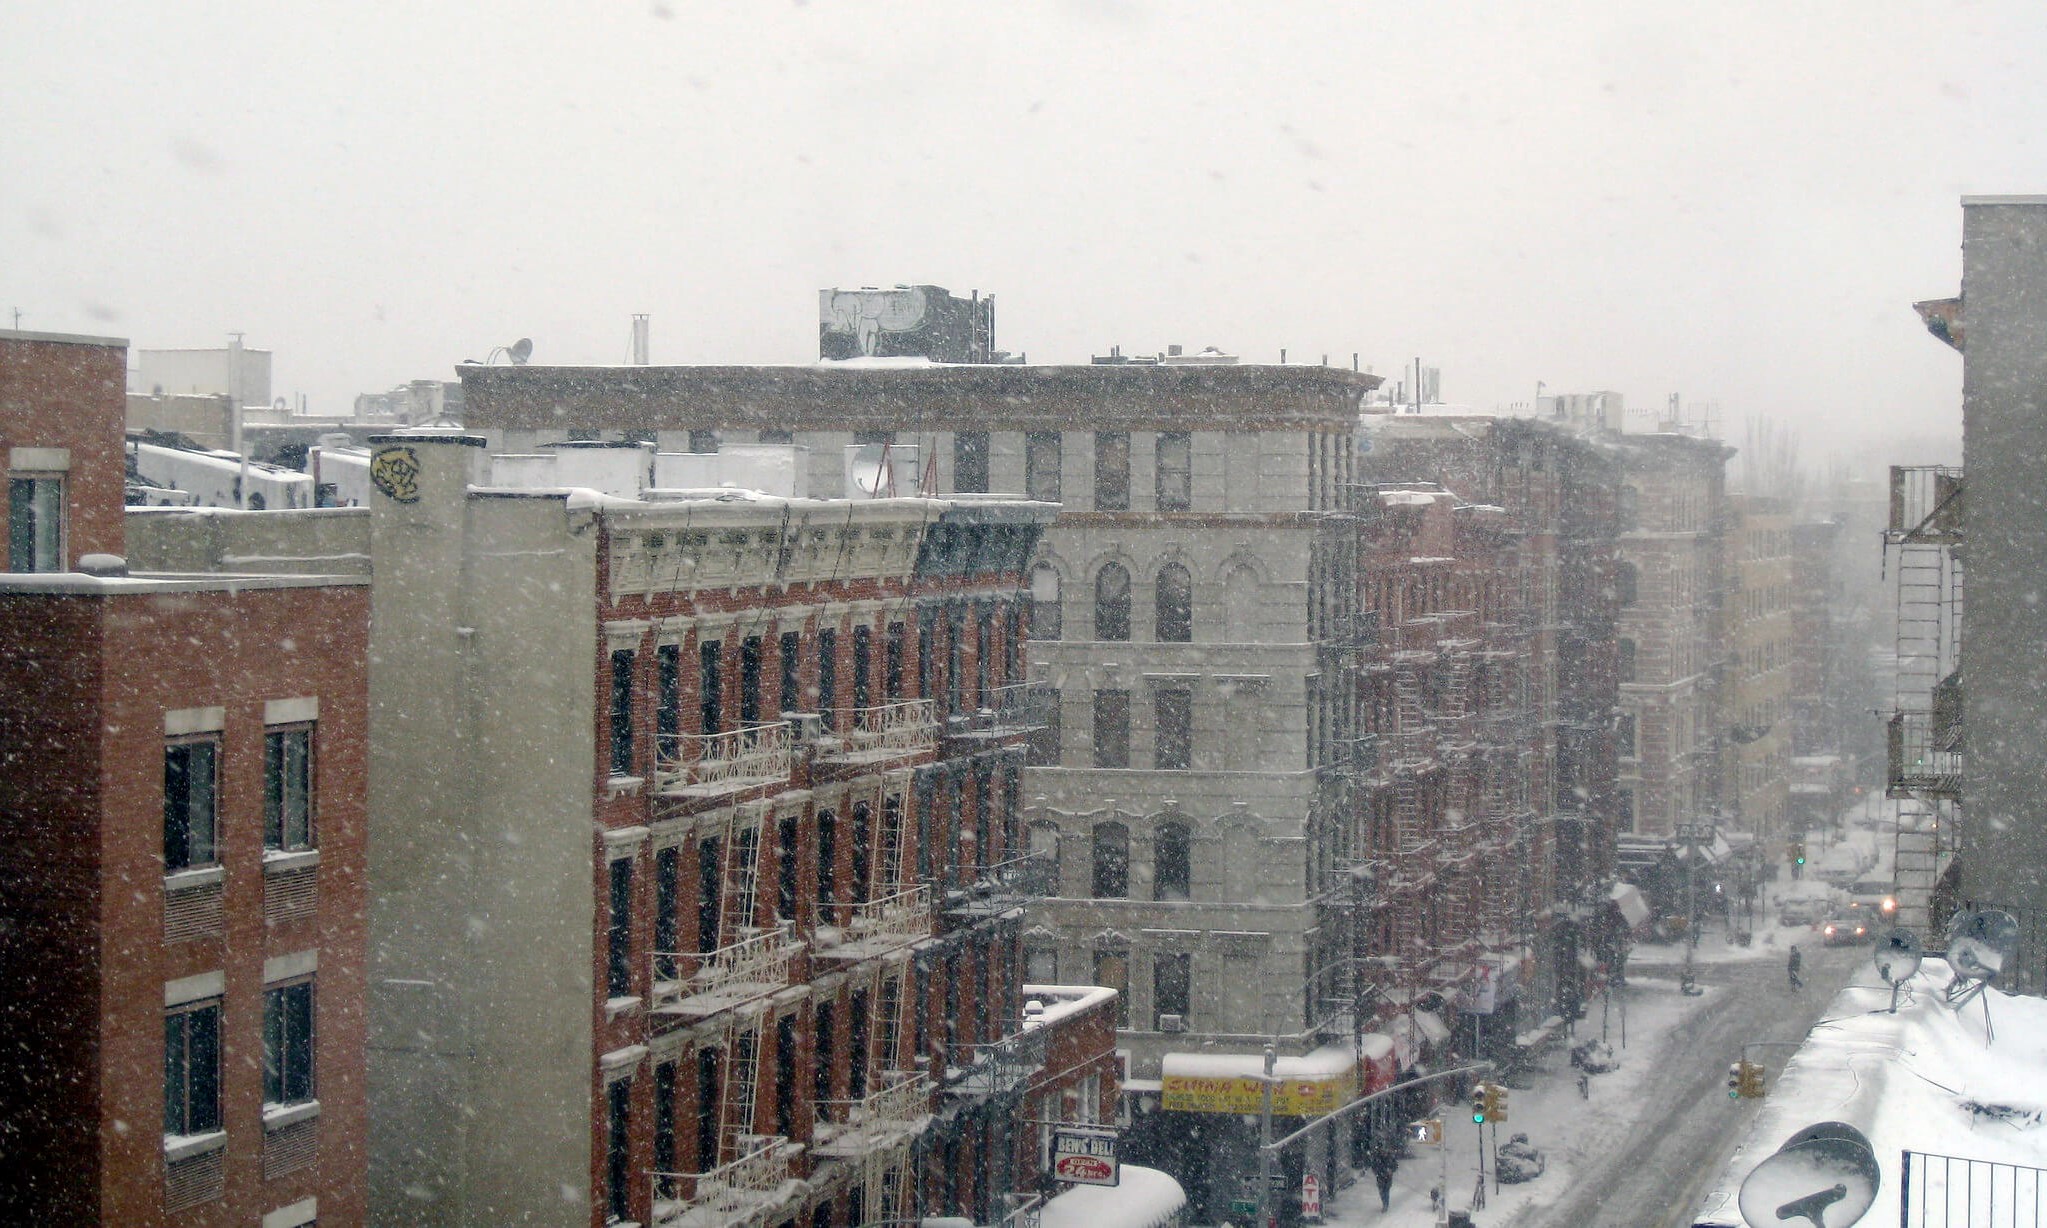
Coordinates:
1384 1162
1791 969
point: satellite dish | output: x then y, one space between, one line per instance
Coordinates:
1898 956
1981 942
1824 1176
870 468
519 351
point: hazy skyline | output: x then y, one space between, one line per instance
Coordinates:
1736 203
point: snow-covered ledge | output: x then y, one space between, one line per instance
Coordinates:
278 1116
203 876
283 861
184 1146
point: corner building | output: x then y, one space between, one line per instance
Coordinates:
700 855
1191 623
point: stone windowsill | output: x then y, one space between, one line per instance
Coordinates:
278 1116
178 1147
284 861
202 876
614 1007
624 786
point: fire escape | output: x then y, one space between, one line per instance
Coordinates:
1924 744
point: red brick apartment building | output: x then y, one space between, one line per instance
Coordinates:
182 789
699 860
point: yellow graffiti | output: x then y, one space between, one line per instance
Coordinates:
395 471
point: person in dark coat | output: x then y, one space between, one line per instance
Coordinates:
1384 1162
1792 968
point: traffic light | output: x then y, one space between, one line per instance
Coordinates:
1495 1103
1737 1075
1752 1080
1478 1103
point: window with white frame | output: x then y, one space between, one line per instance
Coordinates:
191 1068
288 1043
288 788
35 522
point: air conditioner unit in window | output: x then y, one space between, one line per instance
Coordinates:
1172 1023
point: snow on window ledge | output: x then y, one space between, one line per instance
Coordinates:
614 1007
622 786
282 861
186 880
278 1116
184 1146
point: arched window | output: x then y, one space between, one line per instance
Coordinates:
1112 603
1625 582
1112 862
1171 863
1045 621
1175 599
1240 605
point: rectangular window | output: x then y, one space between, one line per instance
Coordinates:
785 1076
1112 471
863 666
827 673
664 1118
288 788
792 672
1624 736
856 1026
190 786
892 663
1041 965
821 1082
35 524
667 906
750 680
710 685
1173 738
984 644
622 712
668 704
617 1148
785 868
709 905
191 1069
1171 984
1175 471
1112 729
703 440
707 1109
619 969
970 462
924 654
1041 466
827 866
288 1043
1112 971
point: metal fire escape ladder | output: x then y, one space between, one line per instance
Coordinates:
1924 744
742 1083
742 868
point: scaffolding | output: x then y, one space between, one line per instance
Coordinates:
1922 550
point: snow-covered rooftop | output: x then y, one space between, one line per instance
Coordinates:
1145 1198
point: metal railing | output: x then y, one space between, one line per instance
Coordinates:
1920 759
726 1192
906 914
1938 1191
903 1096
993 1069
905 724
736 757
761 958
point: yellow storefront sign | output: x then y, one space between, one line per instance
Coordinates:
1290 1097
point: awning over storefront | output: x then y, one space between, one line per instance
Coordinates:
1634 909
1307 1086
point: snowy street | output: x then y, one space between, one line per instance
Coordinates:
1636 1152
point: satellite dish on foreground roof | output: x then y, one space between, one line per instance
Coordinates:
519 351
1824 1176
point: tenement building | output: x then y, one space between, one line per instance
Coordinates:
182 798
1191 631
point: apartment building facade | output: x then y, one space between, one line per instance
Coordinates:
1762 667
734 784
181 921
1671 647
1189 614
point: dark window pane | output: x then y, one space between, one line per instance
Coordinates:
792 672
1171 984
750 680
1112 471
617 1148
189 787
1112 729
709 884
668 710
1175 471
1041 466
622 712
1173 734
288 1043
970 462
1172 868
1111 862
827 866
619 969
827 673
1174 598
288 789
710 688
1112 603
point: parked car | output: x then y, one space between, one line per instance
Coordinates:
1872 898
1846 929
1802 910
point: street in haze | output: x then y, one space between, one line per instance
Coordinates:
1635 1152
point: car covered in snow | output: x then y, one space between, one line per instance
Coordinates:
1802 910
1847 929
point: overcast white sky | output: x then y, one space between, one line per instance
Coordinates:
1733 201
